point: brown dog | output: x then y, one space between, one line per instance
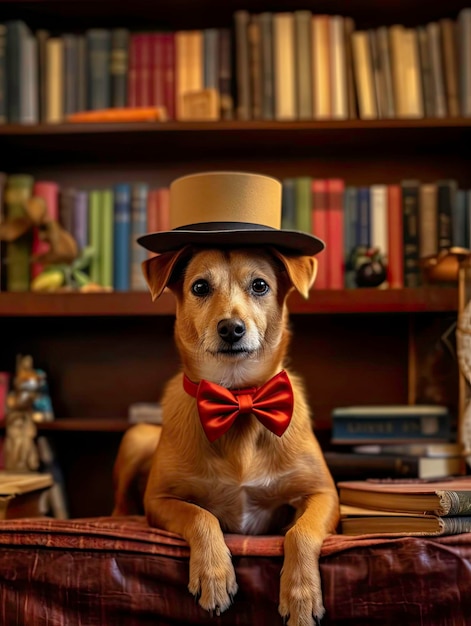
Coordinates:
231 329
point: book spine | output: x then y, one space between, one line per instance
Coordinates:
139 195
288 204
70 68
303 65
210 58
338 78
335 229
436 64
459 221
364 217
266 34
17 254
349 27
464 60
54 80
94 225
98 68
396 32
379 220
163 199
132 71
284 66
66 208
122 236
450 65
364 79
106 235
3 75
169 75
119 67
412 78
82 92
244 97
384 59
428 220
319 229
446 198
255 65
395 238
410 208
350 208
225 74
453 503
303 210
426 71
157 67
16 33
322 106
80 219
29 110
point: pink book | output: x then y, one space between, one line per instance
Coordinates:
49 191
395 238
319 229
335 255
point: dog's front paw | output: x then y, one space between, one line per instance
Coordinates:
300 585
212 578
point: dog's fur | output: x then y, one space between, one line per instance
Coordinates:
248 481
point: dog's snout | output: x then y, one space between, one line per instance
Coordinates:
231 330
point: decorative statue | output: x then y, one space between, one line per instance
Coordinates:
27 404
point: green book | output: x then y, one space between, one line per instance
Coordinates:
303 203
18 253
94 234
106 237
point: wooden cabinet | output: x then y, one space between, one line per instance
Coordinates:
105 351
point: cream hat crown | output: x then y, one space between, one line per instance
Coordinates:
214 209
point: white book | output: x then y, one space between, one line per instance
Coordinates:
364 75
338 67
284 66
379 219
54 80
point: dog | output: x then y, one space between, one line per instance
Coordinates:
232 329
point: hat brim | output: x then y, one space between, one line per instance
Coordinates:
217 234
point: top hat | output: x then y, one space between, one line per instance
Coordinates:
215 209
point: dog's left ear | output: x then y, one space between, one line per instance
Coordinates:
301 270
159 271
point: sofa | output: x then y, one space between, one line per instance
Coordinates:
119 572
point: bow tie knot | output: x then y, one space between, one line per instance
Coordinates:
218 407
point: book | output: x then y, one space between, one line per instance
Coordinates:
358 521
288 204
322 108
319 228
106 237
119 67
255 65
150 412
410 220
266 34
189 68
303 65
21 493
428 220
94 238
335 229
448 497
355 465
122 236
437 70
379 220
80 219
426 71
338 70
139 193
242 63
284 66
54 80
350 216
450 65
303 204
98 68
395 238
226 99
364 78
390 423
16 35
18 189
446 198
385 88
464 60
70 69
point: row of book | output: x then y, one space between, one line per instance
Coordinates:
404 223
401 223
272 65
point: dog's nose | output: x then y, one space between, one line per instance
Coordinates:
231 330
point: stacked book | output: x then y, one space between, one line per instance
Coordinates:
394 441
406 507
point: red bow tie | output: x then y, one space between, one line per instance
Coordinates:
218 407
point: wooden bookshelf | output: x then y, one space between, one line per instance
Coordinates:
104 351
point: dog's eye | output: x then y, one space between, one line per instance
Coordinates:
200 287
260 287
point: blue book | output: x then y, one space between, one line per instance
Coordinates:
122 237
98 68
139 254
364 219
350 231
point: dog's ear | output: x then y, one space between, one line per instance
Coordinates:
301 270
159 271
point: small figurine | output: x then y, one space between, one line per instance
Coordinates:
27 404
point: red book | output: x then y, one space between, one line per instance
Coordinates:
319 229
157 44
334 239
49 191
169 74
395 238
145 76
163 199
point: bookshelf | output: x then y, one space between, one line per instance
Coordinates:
104 351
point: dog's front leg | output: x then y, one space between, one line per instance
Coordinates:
300 586
212 577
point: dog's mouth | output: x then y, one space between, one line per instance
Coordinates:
234 352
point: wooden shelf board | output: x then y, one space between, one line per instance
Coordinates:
85 424
425 299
